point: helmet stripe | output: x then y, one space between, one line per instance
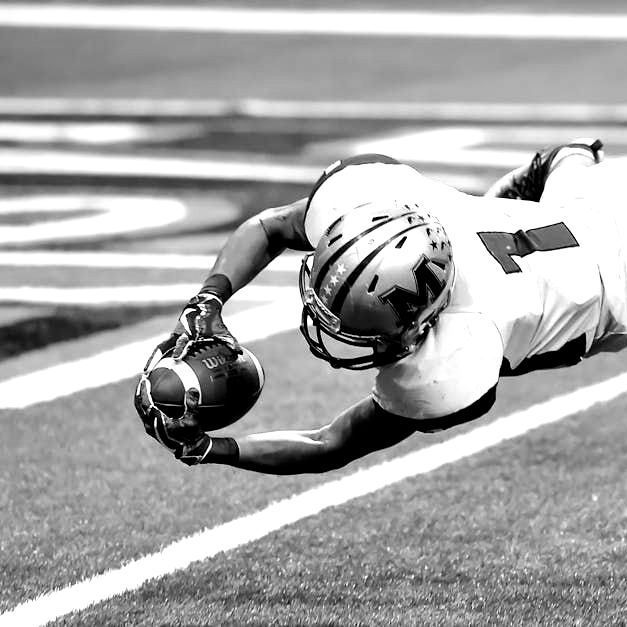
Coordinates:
351 279
342 249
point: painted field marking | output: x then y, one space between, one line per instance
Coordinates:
111 215
129 294
235 533
186 109
462 145
124 362
95 133
104 259
560 26
445 145
25 162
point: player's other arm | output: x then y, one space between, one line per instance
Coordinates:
361 429
257 241
247 251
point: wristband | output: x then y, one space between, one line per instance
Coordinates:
219 285
222 451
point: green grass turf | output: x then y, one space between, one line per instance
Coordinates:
58 351
83 489
529 533
70 323
47 326
86 277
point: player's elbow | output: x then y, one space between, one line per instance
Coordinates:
333 453
284 226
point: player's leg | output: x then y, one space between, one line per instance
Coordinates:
528 182
599 193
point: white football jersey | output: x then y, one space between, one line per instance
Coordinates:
529 293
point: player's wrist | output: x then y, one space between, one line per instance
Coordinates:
222 451
208 450
216 286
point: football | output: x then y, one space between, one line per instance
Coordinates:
229 384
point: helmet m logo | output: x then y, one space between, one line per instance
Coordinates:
407 304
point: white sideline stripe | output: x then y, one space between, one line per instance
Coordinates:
592 26
128 294
540 112
19 161
104 259
126 361
235 533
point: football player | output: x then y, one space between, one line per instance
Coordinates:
439 292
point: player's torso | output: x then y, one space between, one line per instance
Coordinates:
527 287
529 269
527 295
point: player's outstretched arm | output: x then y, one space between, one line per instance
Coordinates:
247 251
258 240
357 431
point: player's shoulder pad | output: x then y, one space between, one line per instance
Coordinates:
455 366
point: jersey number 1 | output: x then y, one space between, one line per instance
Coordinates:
503 246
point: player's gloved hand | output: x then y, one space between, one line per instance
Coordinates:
201 320
196 452
172 433
162 349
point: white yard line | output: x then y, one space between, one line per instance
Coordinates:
235 533
106 259
129 294
21 161
186 109
475 24
126 361
97 133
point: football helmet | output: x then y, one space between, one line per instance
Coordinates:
377 280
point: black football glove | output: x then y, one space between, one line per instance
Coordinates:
201 320
195 452
175 434
161 350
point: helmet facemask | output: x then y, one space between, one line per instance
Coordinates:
375 282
